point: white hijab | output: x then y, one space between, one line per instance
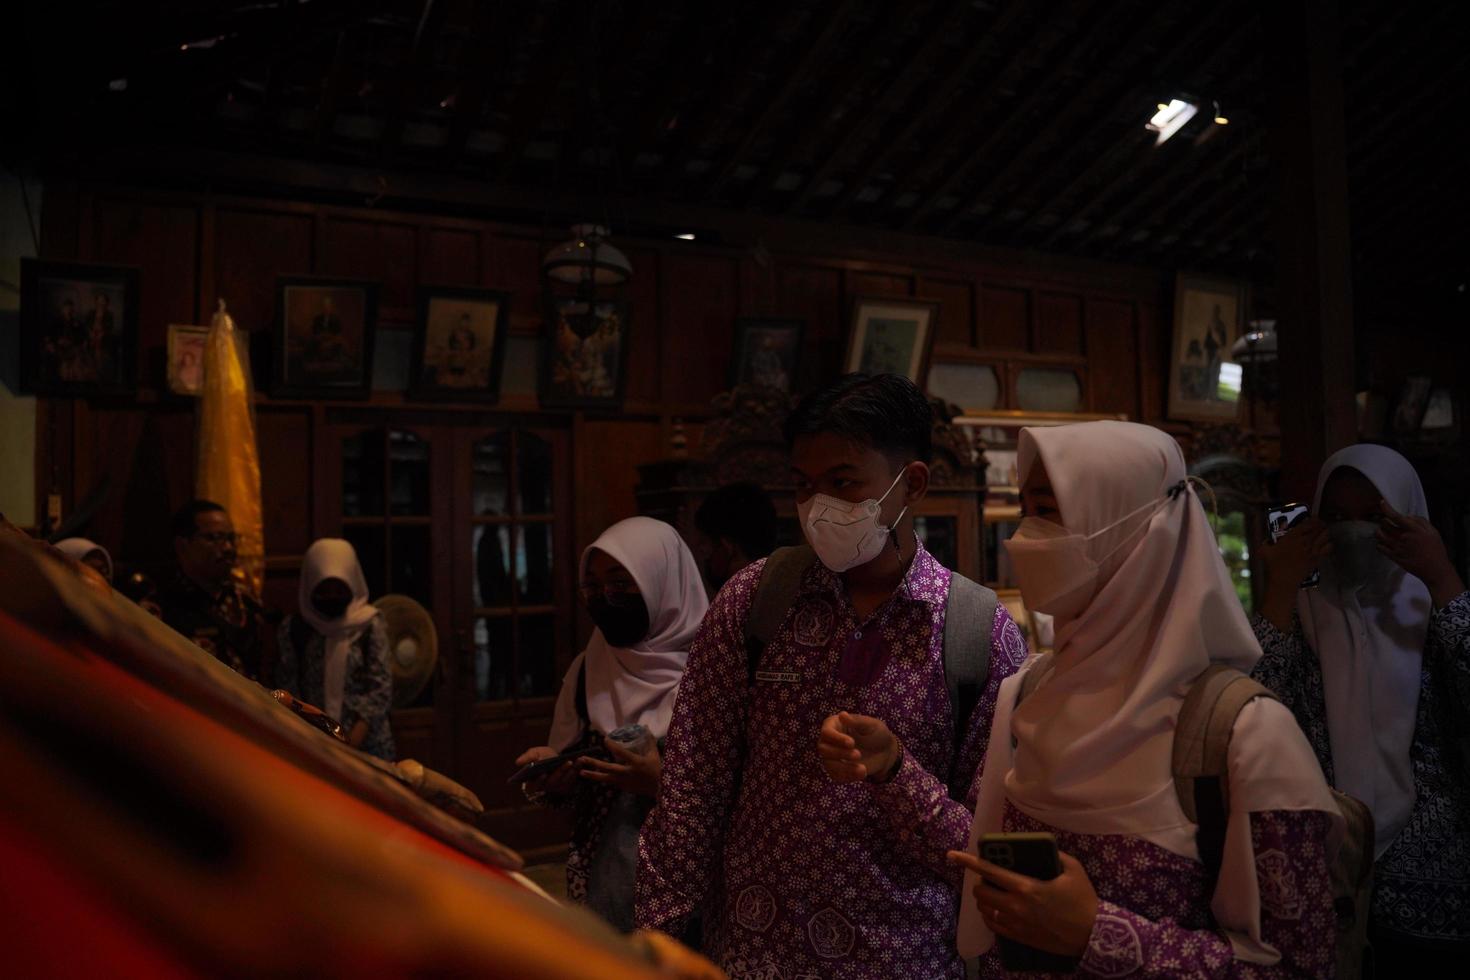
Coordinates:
1093 745
80 548
335 558
637 684
1371 647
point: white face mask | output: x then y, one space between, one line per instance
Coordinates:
1056 569
844 534
1356 562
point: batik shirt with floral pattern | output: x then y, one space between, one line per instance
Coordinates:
797 876
1153 913
1422 882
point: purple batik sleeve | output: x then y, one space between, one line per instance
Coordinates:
926 821
680 846
1297 917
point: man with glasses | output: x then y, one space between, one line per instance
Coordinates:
205 602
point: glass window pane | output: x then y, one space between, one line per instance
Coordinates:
940 538
490 544
534 565
488 467
410 570
1234 543
409 462
494 659
1048 390
371 555
362 474
997 560
534 474
537 662
971 386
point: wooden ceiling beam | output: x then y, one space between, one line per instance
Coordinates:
334 86
888 144
771 108
809 128
532 99
1104 122
920 66
994 133
491 29
410 73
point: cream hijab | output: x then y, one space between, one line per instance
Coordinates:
335 558
1090 751
637 684
80 548
1371 647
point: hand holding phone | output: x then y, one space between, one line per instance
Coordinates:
1040 902
1298 544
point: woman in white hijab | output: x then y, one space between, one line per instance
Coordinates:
88 553
1375 662
642 588
334 650
1117 548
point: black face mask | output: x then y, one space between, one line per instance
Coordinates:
623 623
331 608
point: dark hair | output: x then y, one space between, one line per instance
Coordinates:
742 513
186 519
884 411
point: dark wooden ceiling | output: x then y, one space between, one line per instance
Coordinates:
1009 122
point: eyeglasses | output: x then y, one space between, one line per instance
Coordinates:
216 537
614 589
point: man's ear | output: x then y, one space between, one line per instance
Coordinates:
916 482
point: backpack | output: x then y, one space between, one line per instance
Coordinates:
969 619
1200 766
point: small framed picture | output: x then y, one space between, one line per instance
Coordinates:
324 337
891 336
766 352
1204 383
458 344
586 354
186 358
78 328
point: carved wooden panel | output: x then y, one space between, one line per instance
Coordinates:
252 248
1005 318
1059 324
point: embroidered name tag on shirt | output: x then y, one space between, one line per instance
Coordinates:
778 676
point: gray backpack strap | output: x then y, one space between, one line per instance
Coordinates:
969 620
774 596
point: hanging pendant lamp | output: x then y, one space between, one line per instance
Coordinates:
587 257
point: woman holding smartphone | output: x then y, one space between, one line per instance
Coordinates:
1375 663
643 590
1116 546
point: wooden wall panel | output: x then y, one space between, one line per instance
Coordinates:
609 453
644 294
1059 324
284 437
376 250
1112 348
814 293
514 265
450 257
1005 318
163 242
251 248
956 309
701 297
862 283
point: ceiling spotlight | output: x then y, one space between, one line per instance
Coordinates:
118 85
687 236
1171 118
1163 106
1220 119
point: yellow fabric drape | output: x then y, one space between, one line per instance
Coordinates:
229 463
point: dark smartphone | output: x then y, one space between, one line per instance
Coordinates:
1281 518
1033 855
545 767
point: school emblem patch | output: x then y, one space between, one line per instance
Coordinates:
811 626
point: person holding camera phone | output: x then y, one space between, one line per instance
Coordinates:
1117 547
1375 663
643 590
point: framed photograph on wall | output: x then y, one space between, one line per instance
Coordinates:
766 352
586 354
891 336
186 358
324 337
1209 316
458 344
78 328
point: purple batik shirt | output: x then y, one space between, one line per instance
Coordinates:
796 876
1153 914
